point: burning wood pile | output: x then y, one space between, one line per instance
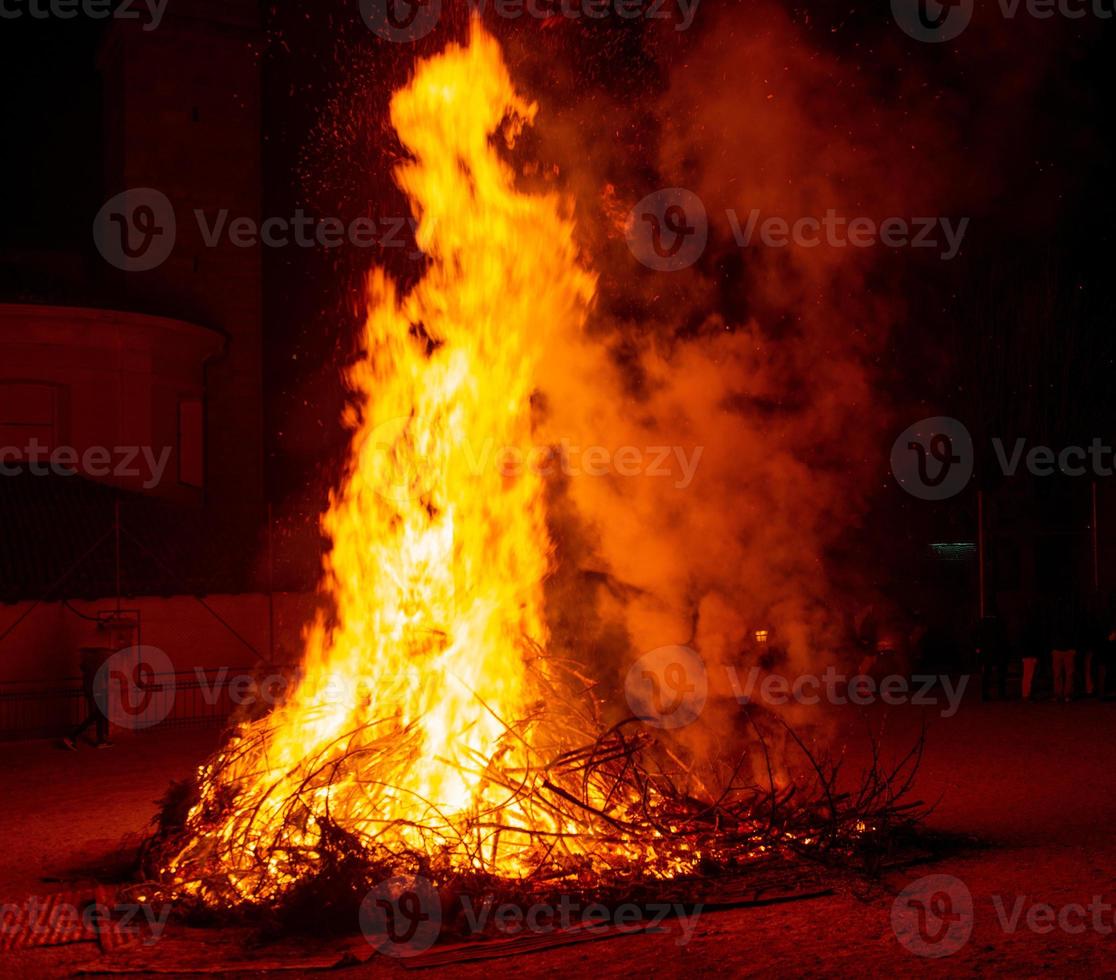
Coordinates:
432 731
619 818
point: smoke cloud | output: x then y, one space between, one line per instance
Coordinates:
760 361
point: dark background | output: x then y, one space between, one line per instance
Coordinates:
1016 336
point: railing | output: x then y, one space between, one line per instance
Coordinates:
44 710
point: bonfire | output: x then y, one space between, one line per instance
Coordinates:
431 730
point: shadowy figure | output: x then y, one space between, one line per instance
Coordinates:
991 647
1065 636
883 632
1096 628
94 686
1106 647
1033 645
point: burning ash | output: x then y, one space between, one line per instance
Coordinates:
436 726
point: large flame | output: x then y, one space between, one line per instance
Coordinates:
423 673
430 728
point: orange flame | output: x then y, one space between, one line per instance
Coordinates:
437 564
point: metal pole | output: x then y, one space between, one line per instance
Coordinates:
270 586
1096 548
116 529
980 547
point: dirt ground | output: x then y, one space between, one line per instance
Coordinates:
1034 782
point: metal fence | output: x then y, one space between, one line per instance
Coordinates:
43 710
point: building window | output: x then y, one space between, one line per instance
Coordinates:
28 415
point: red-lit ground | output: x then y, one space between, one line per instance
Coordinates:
1034 781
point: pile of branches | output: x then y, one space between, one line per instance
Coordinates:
629 812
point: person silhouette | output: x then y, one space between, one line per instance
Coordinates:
93 688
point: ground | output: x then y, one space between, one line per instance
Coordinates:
1033 782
